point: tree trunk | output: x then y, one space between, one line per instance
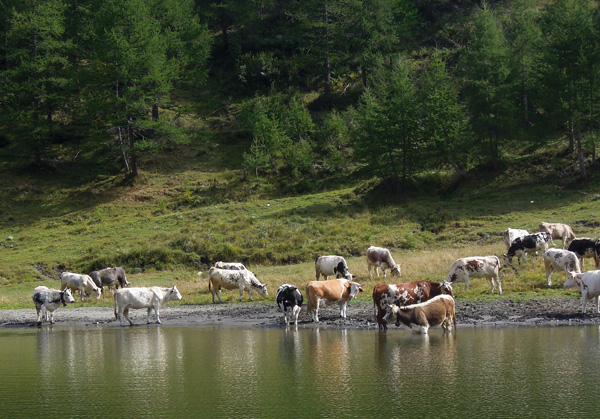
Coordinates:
130 134
580 157
327 54
155 112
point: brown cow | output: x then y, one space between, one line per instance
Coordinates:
332 291
435 312
405 294
558 231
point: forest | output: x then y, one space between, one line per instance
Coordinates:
314 92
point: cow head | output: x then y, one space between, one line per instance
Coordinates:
66 297
446 287
397 270
573 280
262 290
391 314
507 259
175 295
355 288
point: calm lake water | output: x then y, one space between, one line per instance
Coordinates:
235 372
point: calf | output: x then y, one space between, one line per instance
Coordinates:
380 257
82 283
586 248
558 231
560 259
510 234
589 285
435 312
476 267
235 266
47 300
151 298
338 291
110 277
232 279
289 300
405 294
531 243
332 265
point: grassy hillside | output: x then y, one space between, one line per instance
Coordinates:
194 208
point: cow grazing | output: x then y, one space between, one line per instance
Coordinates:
586 248
152 298
532 243
435 312
339 291
560 259
589 285
231 279
47 300
405 294
236 266
332 265
380 257
510 234
78 282
110 277
558 231
289 300
476 267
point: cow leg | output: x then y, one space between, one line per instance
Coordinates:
242 293
598 304
315 313
296 312
499 285
343 310
585 298
51 313
549 270
148 315
39 315
467 284
157 315
492 282
126 315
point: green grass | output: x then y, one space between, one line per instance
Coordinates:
190 209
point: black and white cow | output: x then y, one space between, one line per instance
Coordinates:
532 243
586 248
47 300
289 300
332 265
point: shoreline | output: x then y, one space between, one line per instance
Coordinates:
557 311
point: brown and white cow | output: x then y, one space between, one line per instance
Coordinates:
558 231
589 285
560 259
339 291
510 234
476 267
332 265
380 257
438 311
405 294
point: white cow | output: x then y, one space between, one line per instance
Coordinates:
82 283
510 234
236 266
558 231
380 257
151 298
231 279
560 259
47 300
332 265
589 285
476 267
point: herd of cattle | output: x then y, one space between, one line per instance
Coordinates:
419 305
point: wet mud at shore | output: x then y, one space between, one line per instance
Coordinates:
499 313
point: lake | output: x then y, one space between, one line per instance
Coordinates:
231 372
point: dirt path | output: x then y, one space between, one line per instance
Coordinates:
504 312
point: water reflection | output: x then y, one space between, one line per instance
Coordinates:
233 372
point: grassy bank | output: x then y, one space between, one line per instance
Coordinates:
191 210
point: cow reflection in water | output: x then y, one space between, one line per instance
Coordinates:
331 349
